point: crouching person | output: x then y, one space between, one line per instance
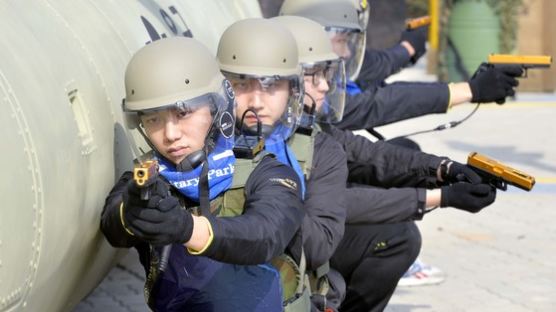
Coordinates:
260 57
206 225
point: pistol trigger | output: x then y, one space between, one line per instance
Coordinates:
499 184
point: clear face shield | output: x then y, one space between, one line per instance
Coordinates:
349 44
207 119
325 89
274 102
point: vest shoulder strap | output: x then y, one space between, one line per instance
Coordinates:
231 203
244 167
302 146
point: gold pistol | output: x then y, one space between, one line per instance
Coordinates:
143 173
526 61
418 22
498 174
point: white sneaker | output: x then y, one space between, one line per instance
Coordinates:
420 273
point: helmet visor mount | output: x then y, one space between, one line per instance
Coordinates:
349 44
325 87
363 15
276 99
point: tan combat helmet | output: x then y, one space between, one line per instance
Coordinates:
318 61
167 71
264 50
313 44
258 47
179 73
341 20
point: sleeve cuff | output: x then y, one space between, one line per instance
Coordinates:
421 200
207 245
434 163
122 221
449 96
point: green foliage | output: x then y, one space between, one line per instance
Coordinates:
508 11
417 8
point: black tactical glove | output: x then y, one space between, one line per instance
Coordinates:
452 172
494 84
160 220
466 196
417 39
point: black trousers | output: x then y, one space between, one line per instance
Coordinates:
372 258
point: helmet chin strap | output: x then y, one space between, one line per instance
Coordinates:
265 130
313 107
259 129
191 161
146 138
308 117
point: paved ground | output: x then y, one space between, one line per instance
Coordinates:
121 290
502 259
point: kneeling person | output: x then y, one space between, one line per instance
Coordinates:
260 57
371 252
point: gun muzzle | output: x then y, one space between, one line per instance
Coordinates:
145 171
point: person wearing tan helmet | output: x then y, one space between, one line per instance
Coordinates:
260 57
206 223
346 23
367 257
369 102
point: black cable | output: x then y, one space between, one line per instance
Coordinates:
451 124
463 71
376 134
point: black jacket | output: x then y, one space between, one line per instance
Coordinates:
325 206
387 183
379 64
271 218
381 105
374 205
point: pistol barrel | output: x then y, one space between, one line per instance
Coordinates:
418 22
525 60
506 173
